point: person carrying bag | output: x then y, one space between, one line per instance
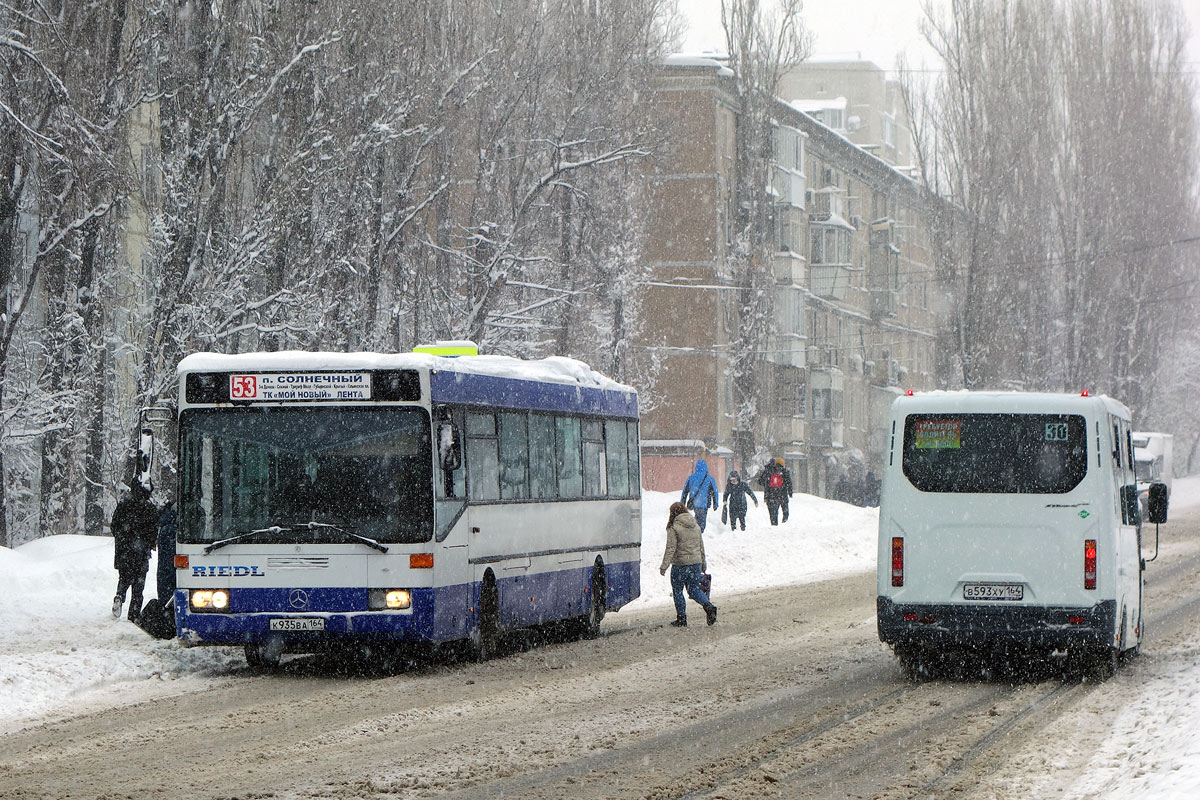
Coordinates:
685 556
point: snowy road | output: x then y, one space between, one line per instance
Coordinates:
789 695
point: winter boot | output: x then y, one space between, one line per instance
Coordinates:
680 622
116 609
710 613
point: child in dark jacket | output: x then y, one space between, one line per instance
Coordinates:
735 500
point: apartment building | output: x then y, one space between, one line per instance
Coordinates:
857 100
858 308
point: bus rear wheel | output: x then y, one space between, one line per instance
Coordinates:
590 627
485 640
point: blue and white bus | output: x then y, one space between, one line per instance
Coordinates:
328 499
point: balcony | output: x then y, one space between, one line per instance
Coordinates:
884 303
789 267
826 432
830 281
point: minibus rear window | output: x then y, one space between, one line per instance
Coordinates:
995 453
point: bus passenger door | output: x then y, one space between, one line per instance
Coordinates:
1128 545
452 567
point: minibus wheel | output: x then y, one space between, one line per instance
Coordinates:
1110 657
914 661
1109 662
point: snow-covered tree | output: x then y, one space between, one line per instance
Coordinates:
765 40
1066 133
185 175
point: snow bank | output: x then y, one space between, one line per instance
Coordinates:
60 647
821 539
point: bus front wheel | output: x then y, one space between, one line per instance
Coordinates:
264 656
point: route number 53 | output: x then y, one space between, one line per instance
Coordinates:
242 387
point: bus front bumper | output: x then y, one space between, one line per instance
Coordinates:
986 626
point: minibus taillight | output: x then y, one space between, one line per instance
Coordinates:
897 561
1089 564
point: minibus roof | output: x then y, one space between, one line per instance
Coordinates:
963 402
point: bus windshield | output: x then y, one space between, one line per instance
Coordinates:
367 471
995 453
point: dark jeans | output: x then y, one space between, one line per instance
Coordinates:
701 515
735 519
687 577
773 507
136 579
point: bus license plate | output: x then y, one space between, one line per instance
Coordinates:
993 591
298 624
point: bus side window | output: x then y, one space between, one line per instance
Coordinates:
514 456
1129 453
616 454
483 457
542 482
635 476
449 452
595 481
568 456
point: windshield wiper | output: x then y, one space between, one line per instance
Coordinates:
242 537
367 540
302 526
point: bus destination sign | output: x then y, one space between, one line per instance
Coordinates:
279 386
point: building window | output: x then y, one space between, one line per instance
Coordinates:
827 403
788 229
889 130
830 245
789 391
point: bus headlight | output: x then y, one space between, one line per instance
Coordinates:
389 599
209 600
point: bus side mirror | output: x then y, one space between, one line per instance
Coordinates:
1156 503
1131 512
449 447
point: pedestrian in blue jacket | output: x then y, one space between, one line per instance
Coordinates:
700 493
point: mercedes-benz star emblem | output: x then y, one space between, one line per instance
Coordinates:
298 598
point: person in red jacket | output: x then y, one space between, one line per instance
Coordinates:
776 483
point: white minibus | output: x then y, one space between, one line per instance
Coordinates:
1009 526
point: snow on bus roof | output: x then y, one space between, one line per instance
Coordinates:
553 369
